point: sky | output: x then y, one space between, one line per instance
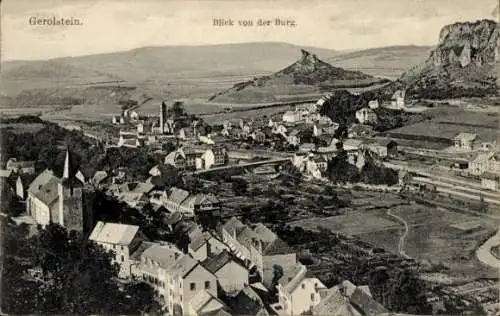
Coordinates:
112 25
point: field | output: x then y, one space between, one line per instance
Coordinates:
446 124
431 236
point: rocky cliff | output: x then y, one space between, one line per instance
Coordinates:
464 63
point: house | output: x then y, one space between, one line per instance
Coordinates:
122 239
151 260
185 278
297 294
20 166
182 158
307 148
347 299
206 140
257 246
129 139
212 157
58 200
482 162
258 136
359 130
294 138
325 120
290 117
6 174
199 203
175 199
352 144
373 104
280 130
398 99
366 116
316 166
205 303
248 302
231 273
317 131
490 180
383 148
465 141
309 107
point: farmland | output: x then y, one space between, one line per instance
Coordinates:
445 125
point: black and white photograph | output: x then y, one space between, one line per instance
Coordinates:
250 157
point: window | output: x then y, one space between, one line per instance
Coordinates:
192 286
303 286
123 258
312 296
114 246
181 298
122 247
207 284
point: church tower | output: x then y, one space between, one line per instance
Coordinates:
70 191
163 116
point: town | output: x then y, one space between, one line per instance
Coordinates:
367 198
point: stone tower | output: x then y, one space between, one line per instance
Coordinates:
163 116
71 213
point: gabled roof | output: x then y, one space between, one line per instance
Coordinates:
277 247
232 225
215 263
246 236
177 195
264 233
99 176
42 179
362 301
182 266
466 136
114 233
292 277
164 255
143 187
44 187
334 304
202 298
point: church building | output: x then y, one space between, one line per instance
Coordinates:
58 200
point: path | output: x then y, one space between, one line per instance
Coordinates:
402 239
484 254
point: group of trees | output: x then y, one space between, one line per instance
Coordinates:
74 276
339 170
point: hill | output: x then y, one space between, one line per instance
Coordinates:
158 65
389 62
463 64
306 77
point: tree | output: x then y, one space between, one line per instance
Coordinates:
178 109
240 186
79 276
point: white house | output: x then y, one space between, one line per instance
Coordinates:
366 115
398 99
150 263
185 278
490 181
297 294
483 161
290 117
122 239
231 273
465 141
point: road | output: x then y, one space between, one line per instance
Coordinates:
402 239
484 254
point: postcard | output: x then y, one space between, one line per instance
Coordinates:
217 158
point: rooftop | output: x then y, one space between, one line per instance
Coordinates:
114 233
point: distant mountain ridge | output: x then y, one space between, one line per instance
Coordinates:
464 63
